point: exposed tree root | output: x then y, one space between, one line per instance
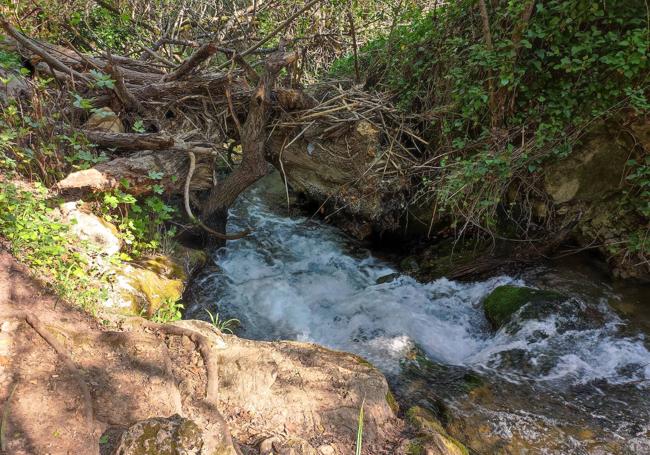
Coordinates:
204 347
36 324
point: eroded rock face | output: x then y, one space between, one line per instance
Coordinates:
333 167
592 171
589 188
307 396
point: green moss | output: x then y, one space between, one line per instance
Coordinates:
152 283
392 403
159 436
431 430
506 300
415 447
472 381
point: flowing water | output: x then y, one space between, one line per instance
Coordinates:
571 380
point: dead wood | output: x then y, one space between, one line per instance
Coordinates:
253 140
129 101
136 168
46 56
202 54
130 141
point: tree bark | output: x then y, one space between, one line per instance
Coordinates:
253 140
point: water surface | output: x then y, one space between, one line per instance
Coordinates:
565 381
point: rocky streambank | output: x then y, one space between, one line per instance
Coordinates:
355 179
71 383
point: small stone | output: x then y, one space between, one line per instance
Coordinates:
326 449
105 119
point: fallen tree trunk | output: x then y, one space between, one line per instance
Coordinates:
167 166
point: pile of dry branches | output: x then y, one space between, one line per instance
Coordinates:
194 113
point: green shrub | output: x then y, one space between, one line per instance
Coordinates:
38 239
495 114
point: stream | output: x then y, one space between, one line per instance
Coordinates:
570 381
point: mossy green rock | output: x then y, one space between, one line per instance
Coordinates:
150 282
162 436
431 435
506 300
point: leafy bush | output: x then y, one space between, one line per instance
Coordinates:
495 110
36 237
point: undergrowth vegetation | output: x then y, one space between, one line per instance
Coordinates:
37 155
44 242
504 91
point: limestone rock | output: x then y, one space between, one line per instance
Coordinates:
91 228
142 287
171 436
105 119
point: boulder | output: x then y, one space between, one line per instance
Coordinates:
506 300
91 228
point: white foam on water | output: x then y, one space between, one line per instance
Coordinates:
294 279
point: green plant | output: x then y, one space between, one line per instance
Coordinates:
42 241
226 326
138 126
360 429
141 222
170 311
495 112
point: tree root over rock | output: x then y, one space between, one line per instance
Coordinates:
205 348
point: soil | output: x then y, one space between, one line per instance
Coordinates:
73 383
128 374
